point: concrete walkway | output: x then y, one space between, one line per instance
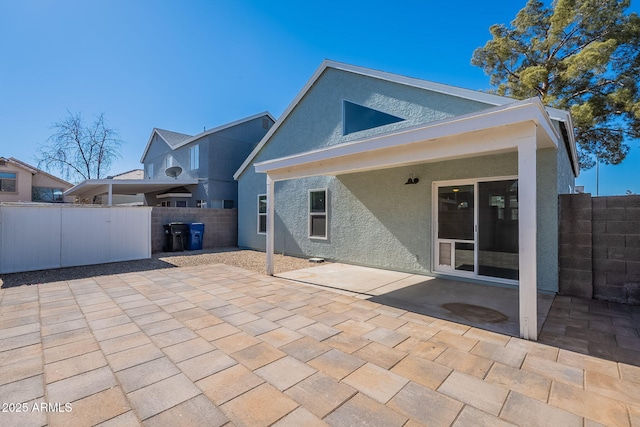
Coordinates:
486 307
219 345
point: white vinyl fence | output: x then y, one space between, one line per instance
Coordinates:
39 237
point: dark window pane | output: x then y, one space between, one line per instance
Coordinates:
498 230
318 226
318 201
262 204
263 224
455 212
8 182
358 117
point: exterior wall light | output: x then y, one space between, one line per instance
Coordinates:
411 180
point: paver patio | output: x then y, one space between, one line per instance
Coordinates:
217 345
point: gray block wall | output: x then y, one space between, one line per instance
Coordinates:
605 233
575 246
221 225
616 248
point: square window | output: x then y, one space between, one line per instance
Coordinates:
7 182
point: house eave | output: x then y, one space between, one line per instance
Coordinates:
416 144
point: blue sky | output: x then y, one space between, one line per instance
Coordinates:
189 65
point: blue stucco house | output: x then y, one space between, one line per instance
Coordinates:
381 170
210 158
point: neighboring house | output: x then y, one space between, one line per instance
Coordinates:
128 199
484 171
211 157
21 182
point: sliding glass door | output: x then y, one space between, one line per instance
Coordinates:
477 228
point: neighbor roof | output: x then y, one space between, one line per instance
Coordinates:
176 140
473 95
94 187
34 170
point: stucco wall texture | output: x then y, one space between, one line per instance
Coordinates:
373 218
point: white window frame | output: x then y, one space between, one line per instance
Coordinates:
325 213
262 214
194 157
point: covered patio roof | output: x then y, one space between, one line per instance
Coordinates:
95 187
522 127
456 137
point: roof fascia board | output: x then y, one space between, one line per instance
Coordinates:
474 95
172 195
436 87
146 149
35 170
223 127
565 116
88 183
205 133
521 111
22 165
283 117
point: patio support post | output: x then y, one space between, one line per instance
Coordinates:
527 233
110 195
270 225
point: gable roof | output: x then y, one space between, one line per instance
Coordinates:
172 139
473 95
132 174
176 140
34 170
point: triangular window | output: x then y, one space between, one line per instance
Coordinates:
358 117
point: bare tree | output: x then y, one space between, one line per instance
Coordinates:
79 150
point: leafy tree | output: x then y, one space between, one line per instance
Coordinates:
579 55
79 150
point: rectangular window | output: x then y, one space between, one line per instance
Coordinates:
181 204
318 214
44 194
165 204
150 170
262 213
194 157
168 162
7 182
